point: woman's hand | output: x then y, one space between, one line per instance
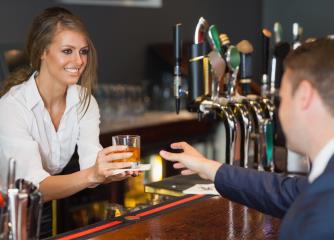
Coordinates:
192 161
103 170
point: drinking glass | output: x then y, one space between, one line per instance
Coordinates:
133 145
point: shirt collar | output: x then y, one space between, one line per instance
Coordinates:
320 162
31 92
33 97
72 97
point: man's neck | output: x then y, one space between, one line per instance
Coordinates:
320 140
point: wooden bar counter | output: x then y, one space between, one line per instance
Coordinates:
188 217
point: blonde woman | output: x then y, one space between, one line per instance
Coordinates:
45 113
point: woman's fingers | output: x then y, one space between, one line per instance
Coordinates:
118 165
133 173
112 149
117 156
107 155
115 177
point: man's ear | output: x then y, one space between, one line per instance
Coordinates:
304 94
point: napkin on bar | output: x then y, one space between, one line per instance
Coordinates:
208 189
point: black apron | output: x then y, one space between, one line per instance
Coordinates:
46 223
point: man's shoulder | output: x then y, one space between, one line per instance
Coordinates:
325 181
312 212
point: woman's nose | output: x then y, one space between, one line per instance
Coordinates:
78 59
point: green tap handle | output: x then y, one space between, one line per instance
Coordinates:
233 57
214 38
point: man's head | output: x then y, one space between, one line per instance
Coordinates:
314 62
307 92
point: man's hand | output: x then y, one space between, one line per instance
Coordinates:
192 161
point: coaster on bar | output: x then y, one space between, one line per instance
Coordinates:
141 167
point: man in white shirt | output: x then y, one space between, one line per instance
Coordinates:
307 117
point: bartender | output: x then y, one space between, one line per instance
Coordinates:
46 114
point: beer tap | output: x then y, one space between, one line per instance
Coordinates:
297 32
177 69
201 30
216 104
233 62
199 81
264 113
225 113
257 135
246 49
266 35
218 64
281 49
241 115
243 130
225 42
213 38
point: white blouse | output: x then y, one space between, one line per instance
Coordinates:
28 134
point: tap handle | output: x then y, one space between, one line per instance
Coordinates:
177 37
266 35
178 43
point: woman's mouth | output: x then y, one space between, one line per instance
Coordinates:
72 69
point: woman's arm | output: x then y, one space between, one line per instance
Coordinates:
56 187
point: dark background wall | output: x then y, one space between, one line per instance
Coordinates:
316 17
122 34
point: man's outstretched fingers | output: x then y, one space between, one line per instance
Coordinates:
178 145
187 172
168 155
178 165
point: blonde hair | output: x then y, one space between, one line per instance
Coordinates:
42 31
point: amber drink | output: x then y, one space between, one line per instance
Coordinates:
133 145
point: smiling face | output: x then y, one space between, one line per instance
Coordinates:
65 58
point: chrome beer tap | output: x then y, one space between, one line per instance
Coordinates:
260 119
224 112
238 107
269 132
244 122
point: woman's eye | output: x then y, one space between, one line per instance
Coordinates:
84 51
67 51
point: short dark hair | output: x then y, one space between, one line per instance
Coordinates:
314 62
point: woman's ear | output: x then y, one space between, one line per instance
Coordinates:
43 55
304 94
45 51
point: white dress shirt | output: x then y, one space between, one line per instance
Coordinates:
320 162
28 134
